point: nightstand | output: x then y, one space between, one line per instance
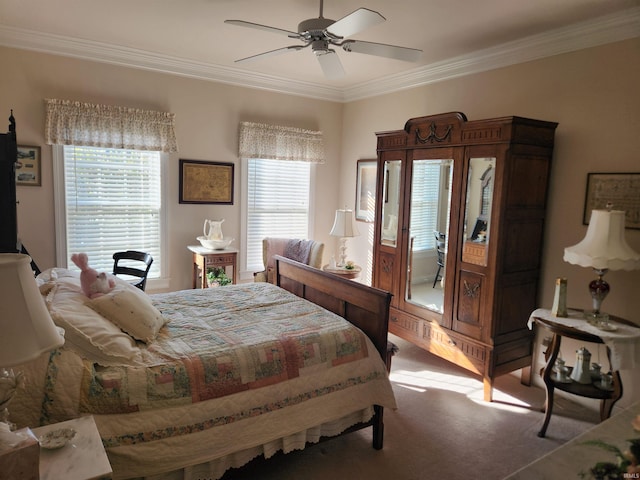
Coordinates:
344 272
83 458
203 259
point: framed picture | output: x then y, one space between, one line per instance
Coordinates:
366 190
622 190
28 166
206 182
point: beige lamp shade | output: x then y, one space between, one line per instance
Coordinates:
604 247
344 224
26 328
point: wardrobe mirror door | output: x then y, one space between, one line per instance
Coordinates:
477 228
390 203
428 227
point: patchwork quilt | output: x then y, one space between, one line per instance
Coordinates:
234 368
250 337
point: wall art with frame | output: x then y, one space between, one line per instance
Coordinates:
28 171
366 190
206 182
622 190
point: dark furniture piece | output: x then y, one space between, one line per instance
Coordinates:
491 283
135 264
8 213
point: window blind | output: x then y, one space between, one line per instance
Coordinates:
425 203
277 203
113 202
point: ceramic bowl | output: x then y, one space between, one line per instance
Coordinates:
56 438
215 244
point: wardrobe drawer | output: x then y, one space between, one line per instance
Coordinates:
455 348
403 325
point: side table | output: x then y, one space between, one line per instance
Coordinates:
83 458
349 273
624 335
204 258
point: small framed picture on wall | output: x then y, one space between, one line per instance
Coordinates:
28 166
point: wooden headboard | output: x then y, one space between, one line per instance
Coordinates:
365 307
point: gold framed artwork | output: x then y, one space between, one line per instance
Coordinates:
621 190
206 182
366 190
28 164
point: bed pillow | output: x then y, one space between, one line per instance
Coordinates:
86 331
130 309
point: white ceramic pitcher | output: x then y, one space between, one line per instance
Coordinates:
212 229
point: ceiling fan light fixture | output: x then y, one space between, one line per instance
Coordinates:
321 33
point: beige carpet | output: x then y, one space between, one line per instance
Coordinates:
441 430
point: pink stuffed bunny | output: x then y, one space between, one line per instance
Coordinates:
93 284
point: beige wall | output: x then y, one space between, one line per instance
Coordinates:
207 119
592 94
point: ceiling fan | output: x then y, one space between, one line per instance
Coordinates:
322 33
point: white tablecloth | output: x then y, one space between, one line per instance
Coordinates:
624 341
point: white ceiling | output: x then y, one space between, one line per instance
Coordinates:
189 37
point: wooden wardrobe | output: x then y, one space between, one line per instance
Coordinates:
478 190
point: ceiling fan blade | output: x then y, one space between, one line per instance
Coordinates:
355 22
257 26
271 53
330 64
382 50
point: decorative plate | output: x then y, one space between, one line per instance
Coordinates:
56 438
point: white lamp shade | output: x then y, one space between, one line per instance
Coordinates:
604 246
26 328
344 224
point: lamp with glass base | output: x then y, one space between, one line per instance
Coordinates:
603 248
344 227
26 328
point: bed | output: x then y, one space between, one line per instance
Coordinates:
189 384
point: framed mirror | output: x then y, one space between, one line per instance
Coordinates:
480 182
391 203
428 227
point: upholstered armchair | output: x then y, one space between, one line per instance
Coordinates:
304 251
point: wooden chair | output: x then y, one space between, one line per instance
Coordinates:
441 245
133 264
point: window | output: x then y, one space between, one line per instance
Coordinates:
109 200
277 204
425 203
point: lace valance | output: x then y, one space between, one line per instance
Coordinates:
274 142
77 123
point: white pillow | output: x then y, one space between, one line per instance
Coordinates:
130 309
87 330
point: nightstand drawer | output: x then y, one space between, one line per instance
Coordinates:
220 259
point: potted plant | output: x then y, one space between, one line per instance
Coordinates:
217 277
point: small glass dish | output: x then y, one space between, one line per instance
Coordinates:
56 438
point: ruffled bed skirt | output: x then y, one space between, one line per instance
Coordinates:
215 469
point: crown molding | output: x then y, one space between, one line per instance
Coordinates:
610 28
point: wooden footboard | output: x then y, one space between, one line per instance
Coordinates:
365 307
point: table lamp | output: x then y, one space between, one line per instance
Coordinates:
26 328
344 226
603 248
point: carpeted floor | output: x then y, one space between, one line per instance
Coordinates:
441 430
